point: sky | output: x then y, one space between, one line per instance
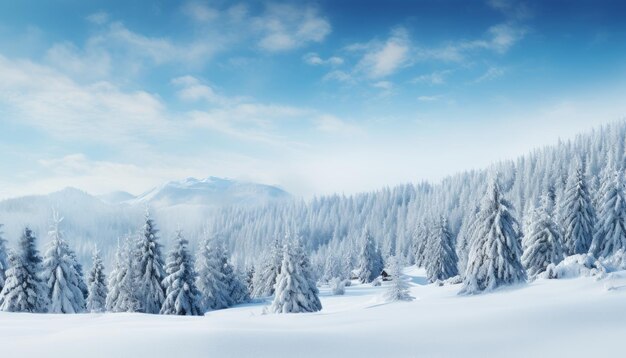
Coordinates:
315 97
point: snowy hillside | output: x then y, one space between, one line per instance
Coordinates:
579 317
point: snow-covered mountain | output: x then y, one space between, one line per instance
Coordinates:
211 191
101 220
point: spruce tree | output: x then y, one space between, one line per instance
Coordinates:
96 283
610 234
4 259
181 294
150 271
211 281
420 243
543 244
24 290
265 276
398 290
122 296
237 290
441 260
60 274
370 260
295 290
578 214
494 257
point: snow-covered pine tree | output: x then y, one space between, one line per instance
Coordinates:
250 279
543 244
578 213
60 274
237 289
295 290
181 294
420 243
370 259
464 238
441 260
122 295
82 284
24 291
269 269
4 259
211 280
96 284
150 271
398 290
610 234
494 257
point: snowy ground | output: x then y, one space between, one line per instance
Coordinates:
574 318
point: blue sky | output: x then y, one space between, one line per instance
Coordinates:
318 97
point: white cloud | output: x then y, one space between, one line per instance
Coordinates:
98 18
429 98
314 59
192 89
384 59
491 74
331 124
434 78
200 12
285 27
339 76
97 112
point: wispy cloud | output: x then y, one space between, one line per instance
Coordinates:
286 27
491 74
49 100
433 78
314 59
381 59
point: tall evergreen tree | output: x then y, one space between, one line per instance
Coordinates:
4 259
60 274
441 260
122 296
494 257
24 290
237 290
578 213
542 242
370 260
96 283
269 269
295 289
211 281
181 294
150 271
610 235
420 243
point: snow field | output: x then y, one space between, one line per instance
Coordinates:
571 317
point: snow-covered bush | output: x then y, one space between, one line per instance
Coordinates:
337 286
581 265
616 262
377 282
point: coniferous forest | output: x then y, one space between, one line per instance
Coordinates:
505 225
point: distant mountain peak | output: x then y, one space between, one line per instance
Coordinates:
210 191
